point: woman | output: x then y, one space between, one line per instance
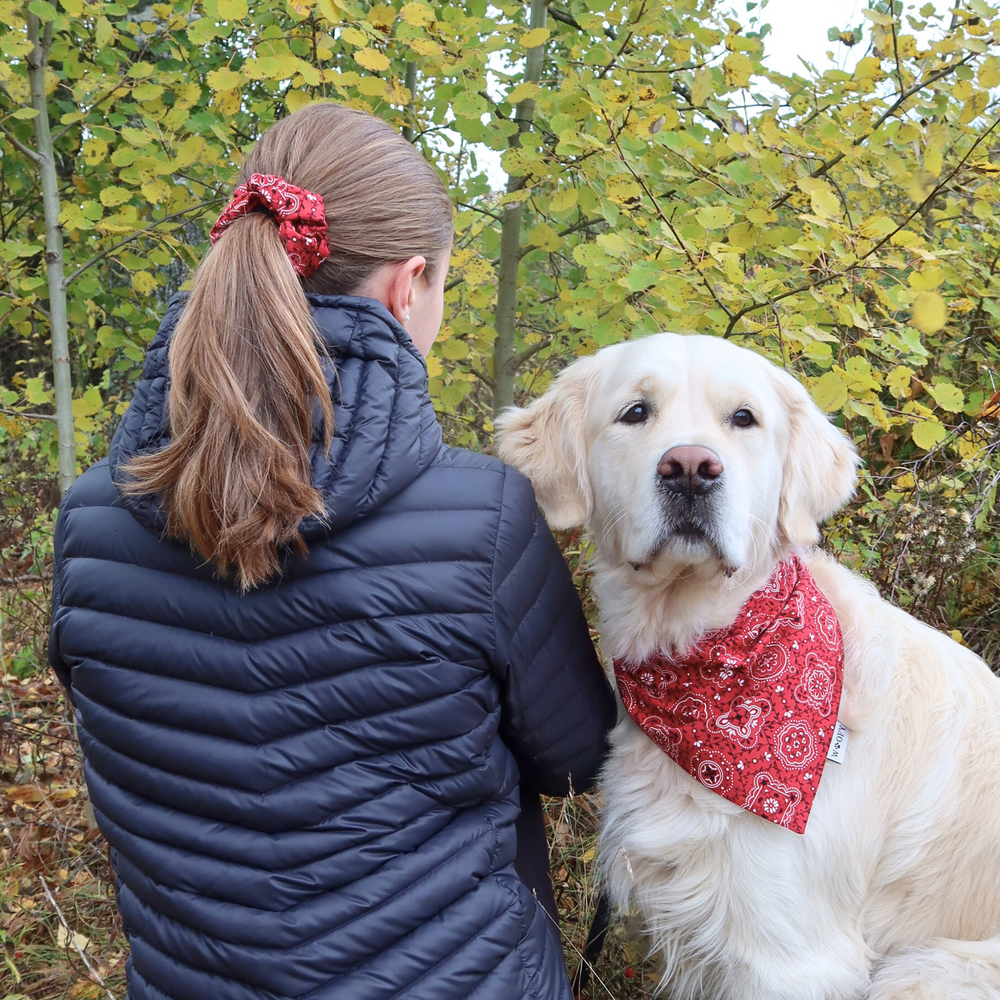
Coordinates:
314 652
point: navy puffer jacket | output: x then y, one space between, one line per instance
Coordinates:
310 790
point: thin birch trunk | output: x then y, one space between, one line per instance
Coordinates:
38 58
505 318
410 82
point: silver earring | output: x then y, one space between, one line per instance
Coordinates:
406 318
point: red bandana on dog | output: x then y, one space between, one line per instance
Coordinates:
750 711
301 217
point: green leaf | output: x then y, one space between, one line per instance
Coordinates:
35 391
43 10
23 114
716 216
829 392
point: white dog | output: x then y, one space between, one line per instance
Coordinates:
699 468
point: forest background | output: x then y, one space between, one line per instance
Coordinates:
656 174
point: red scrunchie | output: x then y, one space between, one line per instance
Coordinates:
300 215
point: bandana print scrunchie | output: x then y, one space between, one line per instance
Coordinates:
300 215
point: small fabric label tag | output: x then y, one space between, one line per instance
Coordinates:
838 746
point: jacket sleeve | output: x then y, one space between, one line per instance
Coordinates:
557 707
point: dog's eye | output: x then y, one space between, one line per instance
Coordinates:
638 413
743 418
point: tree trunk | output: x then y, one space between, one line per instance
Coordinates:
62 381
505 320
410 82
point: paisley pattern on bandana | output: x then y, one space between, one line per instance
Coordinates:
300 214
750 711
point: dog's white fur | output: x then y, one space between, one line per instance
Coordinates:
893 893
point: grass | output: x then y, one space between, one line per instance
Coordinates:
61 932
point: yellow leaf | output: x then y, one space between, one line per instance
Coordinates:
822 199
544 237
434 366
927 278
478 272
156 191
372 60
330 11
224 79
949 397
424 47
929 312
974 107
564 200
372 86
523 90
932 160
354 36
417 14
94 151
738 69
928 433
701 87
898 380
624 189
233 10
868 69
138 137
143 282
532 39
989 73
296 99
112 196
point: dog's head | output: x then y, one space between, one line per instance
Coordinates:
682 454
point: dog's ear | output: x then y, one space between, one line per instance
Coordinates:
545 441
820 469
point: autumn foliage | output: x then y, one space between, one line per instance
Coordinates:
841 222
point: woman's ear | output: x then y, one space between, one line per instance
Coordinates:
546 442
820 468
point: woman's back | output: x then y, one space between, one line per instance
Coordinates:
310 788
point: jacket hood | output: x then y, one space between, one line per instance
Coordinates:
385 430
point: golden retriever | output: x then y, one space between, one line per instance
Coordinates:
893 891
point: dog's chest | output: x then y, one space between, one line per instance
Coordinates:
708 878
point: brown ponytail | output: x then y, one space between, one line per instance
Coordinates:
245 371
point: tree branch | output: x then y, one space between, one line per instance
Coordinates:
564 18
667 222
901 99
29 416
529 352
128 239
737 316
17 144
895 52
483 377
38 309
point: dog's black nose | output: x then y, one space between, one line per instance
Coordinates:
690 470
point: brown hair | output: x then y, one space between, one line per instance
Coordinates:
245 366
